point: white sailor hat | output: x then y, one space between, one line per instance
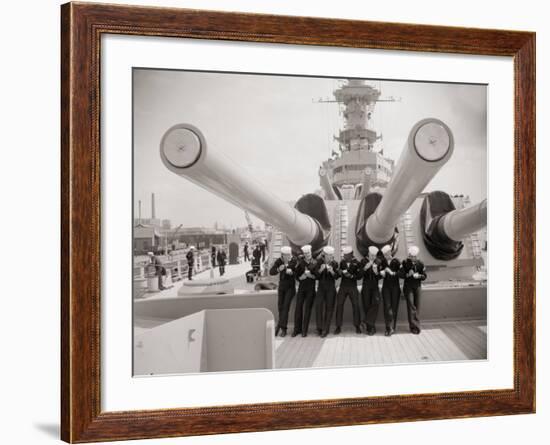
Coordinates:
150 253
373 250
306 248
192 248
386 249
285 250
347 250
413 250
329 250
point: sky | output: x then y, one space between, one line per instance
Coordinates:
275 128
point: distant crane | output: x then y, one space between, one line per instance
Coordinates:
174 237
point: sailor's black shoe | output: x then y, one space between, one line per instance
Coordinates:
357 330
295 333
319 332
337 330
304 334
389 332
283 332
324 334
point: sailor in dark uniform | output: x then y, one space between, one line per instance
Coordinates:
222 260
262 249
350 271
327 273
370 293
390 270
414 272
157 264
213 256
306 292
257 254
285 266
245 251
190 262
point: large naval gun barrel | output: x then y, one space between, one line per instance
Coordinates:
429 146
184 151
457 224
443 227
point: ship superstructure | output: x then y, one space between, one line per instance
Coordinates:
359 162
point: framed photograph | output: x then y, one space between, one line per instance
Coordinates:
274 222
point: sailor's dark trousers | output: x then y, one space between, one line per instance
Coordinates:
370 295
348 289
324 304
285 293
304 297
390 294
413 295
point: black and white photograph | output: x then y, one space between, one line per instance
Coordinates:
290 222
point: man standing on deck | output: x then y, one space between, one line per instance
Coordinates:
306 292
390 271
257 254
262 249
350 270
222 260
213 256
245 251
327 273
414 272
285 266
190 262
158 268
370 294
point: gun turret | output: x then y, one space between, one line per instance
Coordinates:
460 223
429 146
184 151
444 227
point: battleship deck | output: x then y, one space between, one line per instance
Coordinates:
454 326
438 342
446 341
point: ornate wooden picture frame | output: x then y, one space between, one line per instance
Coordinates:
82 25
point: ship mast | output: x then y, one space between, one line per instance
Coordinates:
358 100
340 175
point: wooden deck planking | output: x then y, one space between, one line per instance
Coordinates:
448 349
438 342
427 347
377 351
472 347
461 341
312 350
387 343
432 344
475 336
411 347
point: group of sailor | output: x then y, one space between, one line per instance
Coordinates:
317 282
